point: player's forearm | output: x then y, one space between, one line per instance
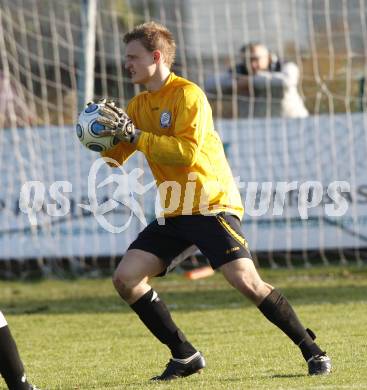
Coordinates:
136 136
168 150
120 153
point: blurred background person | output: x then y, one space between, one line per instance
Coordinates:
264 85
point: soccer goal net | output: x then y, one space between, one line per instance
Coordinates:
286 83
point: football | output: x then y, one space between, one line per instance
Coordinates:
89 130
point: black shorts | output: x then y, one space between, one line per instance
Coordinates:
218 237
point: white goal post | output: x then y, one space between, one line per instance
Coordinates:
297 174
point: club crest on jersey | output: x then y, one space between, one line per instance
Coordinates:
165 119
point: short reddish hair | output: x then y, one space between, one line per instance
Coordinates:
154 36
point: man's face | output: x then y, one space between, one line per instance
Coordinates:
258 59
139 62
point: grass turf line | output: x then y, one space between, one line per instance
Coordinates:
77 334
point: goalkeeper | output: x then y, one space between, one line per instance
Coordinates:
171 124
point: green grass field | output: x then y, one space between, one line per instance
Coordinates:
77 334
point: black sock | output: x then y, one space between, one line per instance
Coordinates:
277 309
156 317
11 367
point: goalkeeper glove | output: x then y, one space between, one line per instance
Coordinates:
117 122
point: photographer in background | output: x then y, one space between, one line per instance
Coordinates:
265 86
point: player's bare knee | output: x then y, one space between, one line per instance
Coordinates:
253 289
123 283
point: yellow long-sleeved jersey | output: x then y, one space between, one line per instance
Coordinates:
183 150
